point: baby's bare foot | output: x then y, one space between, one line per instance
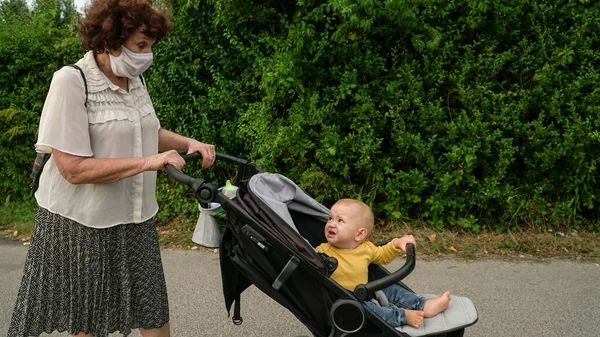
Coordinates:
414 318
434 306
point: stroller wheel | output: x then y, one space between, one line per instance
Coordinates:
348 316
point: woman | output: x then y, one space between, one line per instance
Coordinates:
94 265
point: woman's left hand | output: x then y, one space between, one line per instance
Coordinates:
206 150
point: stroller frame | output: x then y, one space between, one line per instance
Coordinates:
253 237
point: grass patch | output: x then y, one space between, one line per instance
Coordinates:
16 218
522 244
177 233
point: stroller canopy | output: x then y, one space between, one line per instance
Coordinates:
283 198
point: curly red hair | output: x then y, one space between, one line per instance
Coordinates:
109 23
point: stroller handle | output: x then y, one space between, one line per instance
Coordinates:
206 192
219 156
246 169
362 291
182 177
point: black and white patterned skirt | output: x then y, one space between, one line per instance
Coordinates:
98 281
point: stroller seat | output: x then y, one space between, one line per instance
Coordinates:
286 199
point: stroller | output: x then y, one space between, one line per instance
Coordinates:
271 229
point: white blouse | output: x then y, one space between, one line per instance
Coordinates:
116 124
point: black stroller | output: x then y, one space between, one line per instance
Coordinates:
271 229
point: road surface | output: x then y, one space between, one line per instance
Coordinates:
558 298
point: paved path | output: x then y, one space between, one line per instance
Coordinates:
560 298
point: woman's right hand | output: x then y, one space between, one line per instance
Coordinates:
158 161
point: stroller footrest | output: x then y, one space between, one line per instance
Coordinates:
289 268
460 314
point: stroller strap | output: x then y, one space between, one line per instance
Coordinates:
237 318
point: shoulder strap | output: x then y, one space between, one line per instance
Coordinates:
84 81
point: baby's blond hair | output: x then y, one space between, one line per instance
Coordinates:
362 212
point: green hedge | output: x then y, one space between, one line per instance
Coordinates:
469 114
33 44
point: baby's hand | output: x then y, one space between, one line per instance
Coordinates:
400 243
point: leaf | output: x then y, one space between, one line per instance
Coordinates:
452 249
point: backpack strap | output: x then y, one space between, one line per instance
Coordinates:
84 81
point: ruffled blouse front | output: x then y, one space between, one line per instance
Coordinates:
116 124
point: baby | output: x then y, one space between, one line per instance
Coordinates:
347 228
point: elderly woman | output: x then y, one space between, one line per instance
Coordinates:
94 264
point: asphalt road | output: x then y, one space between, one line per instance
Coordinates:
559 298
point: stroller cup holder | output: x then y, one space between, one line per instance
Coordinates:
348 316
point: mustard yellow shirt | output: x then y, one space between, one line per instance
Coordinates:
352 268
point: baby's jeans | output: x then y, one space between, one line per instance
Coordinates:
399 299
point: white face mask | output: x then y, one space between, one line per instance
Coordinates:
130 64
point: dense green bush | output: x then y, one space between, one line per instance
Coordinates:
464 113
33 45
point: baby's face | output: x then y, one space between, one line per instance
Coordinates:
342 227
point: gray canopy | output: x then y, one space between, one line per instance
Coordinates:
282 195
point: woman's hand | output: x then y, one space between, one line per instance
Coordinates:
158 161
206 150
168 140
400 243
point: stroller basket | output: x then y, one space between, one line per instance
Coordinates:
271 228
